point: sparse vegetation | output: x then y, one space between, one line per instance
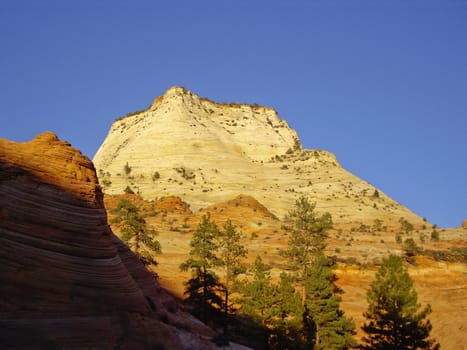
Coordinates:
131 114
106 183
187 175
128 190
104 179
156 176
410 247
451 255
406 227
127 169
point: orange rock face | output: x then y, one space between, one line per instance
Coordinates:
65 280
442 284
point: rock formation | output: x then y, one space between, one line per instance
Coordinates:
207 152
66 282
186 156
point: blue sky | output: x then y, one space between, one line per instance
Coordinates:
381 84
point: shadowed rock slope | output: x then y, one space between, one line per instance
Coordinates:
66 282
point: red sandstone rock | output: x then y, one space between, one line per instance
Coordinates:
65 280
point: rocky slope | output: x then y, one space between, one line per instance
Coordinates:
207 152
185 156
441 283
66 282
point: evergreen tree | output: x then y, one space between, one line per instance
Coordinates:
203 291
275 307
135 233
231 253
326 326
257 297
308 233
204 287
287 311
394 319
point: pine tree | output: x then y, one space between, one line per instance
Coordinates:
327 327
135 233
203 291
394 319
324 325
275 307
231 253
257 297
287 315
308 233
204 287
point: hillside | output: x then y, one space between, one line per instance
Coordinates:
186 156
442 283
206 152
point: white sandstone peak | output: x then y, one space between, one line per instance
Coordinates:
206 152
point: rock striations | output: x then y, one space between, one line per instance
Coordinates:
66 282
207 152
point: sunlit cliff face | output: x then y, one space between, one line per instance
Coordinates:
207 152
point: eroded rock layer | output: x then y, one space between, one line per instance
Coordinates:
63 283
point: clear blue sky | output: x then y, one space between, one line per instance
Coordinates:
382 84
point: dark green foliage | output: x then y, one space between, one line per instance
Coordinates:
308 233
231 253
276 307
204 246
323 325
203 288
286 331
258 294
323 317
435 235
135 232
394 319
203 292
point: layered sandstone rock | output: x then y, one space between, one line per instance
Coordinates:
207 152
66 282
